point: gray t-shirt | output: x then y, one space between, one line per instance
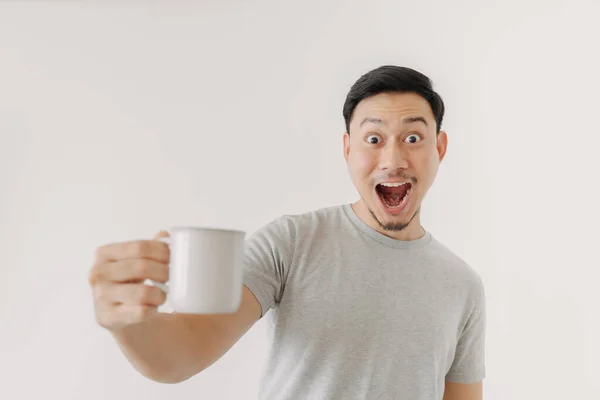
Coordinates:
358 315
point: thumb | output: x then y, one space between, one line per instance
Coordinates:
161 234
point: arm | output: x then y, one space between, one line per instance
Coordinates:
164 347
171 348
466 374
463 391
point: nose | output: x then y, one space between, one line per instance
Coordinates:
392 158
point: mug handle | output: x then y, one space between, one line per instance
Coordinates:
162 286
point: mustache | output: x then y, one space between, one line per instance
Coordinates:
403 177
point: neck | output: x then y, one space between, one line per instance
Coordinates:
412 231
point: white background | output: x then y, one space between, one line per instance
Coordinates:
118 120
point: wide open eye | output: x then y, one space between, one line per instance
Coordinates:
373 139
415 136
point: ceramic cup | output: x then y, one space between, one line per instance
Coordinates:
205 270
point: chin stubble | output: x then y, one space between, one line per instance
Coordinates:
398 226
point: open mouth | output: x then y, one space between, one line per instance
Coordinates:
394 195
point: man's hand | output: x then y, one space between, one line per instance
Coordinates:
120 296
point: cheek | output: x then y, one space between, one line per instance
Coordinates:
362 164
427 167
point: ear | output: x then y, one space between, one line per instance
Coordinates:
346 145
442 144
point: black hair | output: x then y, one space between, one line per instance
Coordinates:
390 79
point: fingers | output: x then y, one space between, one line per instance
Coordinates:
134 313
117 316
120 299
133 294
148 249
132 261
130 270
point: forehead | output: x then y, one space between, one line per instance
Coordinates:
392 107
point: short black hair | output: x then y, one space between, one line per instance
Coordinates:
393 79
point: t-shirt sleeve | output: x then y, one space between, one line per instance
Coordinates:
267 257
469 359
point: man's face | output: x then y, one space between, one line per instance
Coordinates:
393 154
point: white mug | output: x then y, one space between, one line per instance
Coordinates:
205 270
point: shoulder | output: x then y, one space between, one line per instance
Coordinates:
303 224
457 271
280 239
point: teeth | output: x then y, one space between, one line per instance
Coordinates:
395 184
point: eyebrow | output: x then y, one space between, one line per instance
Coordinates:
405 120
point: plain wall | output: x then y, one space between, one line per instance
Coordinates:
118 120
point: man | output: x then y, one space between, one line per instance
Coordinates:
366 303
